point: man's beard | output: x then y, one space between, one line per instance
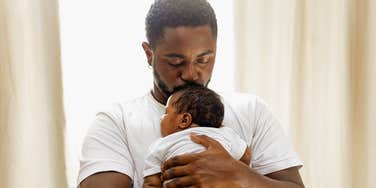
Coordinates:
164 88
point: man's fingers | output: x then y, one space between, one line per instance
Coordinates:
186 181
206 141
179 160
175 172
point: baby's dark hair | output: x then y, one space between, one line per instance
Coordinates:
175 13
203 104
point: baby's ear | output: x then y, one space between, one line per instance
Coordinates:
185 120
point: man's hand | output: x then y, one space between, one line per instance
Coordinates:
211 168
216 168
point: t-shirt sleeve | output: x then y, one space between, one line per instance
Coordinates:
271 149
105 146
238 145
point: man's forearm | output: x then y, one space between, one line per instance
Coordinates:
287 178
260 181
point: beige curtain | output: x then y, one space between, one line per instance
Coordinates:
31 107
314 62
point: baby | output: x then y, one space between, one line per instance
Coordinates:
191 109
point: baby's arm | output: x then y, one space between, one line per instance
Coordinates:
152 181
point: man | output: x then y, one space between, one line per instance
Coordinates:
181 50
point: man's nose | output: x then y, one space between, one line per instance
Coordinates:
190 72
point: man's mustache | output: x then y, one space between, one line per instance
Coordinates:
187 84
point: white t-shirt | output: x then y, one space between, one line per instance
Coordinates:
180 143
119 138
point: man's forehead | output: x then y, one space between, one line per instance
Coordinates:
181 39
183 31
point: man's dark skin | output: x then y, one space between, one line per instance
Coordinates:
187 54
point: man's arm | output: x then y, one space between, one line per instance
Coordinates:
246 158
105 159
287 178
108 180
215 168
291 175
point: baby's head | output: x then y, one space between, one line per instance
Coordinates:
192 106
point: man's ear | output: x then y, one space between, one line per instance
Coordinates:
185 120
148 52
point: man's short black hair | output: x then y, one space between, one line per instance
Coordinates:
203 104
174 13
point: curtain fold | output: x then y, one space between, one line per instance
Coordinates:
314 62
31 106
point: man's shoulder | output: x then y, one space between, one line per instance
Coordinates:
239 100
238 96
117 110
126 104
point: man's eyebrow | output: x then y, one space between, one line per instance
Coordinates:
205 53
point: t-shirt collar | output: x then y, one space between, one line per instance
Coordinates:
154 101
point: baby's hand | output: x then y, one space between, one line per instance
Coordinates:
152 181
